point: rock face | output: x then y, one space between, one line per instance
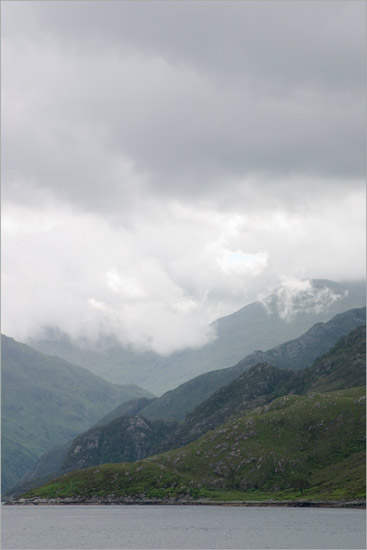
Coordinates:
125 439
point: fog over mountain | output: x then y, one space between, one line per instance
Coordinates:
166 163
278 317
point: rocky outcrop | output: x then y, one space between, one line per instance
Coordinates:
125 439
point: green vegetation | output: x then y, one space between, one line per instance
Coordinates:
45 402
342 367
132 438
125 439
257 456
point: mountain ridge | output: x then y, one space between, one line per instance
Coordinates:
297 353
263 383
258 325
341 368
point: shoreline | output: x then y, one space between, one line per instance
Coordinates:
113 501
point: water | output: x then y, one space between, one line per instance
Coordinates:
180 527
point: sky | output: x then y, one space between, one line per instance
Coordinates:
166 163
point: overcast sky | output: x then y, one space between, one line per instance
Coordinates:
165 163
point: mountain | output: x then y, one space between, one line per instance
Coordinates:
344 366
295 354
45 402
357 288
280 316
255 456
126 409
125 439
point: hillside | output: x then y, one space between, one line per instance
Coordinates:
126 409
280 316
344 366
45 402
298 445
295 354
125 439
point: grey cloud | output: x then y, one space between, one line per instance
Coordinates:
160 282
164 162
309 42
150 107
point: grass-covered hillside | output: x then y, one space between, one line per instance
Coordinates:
311 446
45 402
128 439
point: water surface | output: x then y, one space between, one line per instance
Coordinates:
180 527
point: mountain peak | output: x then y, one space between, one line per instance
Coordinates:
307 296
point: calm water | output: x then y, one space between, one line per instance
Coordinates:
179 527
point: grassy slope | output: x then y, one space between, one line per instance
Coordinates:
45 402
341 368
318 439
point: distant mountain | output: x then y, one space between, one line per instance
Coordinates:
343 367
280 316
46 401
295 354
252 457
357 288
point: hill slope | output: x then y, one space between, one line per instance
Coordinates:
295 354
280 316
342 367
310 444
45 402
125 439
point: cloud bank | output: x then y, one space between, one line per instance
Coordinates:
163 163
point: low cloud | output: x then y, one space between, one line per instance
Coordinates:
165 162
157 283
294 296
